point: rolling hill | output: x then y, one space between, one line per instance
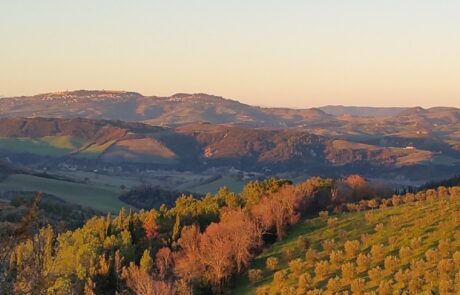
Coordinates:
199 146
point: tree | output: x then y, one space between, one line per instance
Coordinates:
311 256
385 287
278 210
351 248
303 243
254 275
321 270
377 253
138 280
146 262
391 264
271 263
336 257
357 286
334 285
363 262
33 263
305 281
189 265
164 263
348 271
375 274
296 266
150 226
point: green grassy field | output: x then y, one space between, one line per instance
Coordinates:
416 228
233 185
95 195
55 146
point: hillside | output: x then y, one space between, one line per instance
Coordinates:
406 245
173 110
185 108
52 142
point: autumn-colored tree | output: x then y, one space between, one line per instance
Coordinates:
150 225
278 210
164 263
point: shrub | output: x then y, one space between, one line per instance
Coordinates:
348 271
351 248
296 266
332 222
305 281
272 263
444 248
391 263
379 227
405 253
321 270
377 253
366 239
288 253
303 243
311 255
263 291
431 255
323 215
254 275
357 286
415 243
336 257
415 285
445 266
385 287
375 274
334 285
279 277
363 262
328 245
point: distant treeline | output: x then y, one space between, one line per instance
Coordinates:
148 197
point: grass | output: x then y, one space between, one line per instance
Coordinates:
54 146
233 185
432 221
94 195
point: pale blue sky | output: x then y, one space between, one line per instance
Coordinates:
273 53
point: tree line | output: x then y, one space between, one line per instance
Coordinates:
197 246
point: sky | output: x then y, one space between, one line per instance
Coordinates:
293 53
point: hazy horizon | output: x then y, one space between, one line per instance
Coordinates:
299 54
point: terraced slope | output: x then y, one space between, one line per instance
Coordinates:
411 248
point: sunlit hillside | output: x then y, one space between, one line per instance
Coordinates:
410 245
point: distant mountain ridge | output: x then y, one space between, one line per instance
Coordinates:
338 110
177 109
183 108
